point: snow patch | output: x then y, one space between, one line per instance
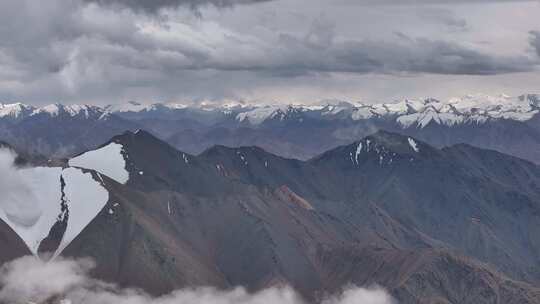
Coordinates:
31 203
184 156
358 151
101 179
242 157
413 144
86 198
108 160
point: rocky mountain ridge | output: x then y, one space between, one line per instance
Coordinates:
452 225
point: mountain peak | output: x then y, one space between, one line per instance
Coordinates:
148 145
382 147
394 142
225 150
138 135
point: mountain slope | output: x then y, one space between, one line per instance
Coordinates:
482 203
453 225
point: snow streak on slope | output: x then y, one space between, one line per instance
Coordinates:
413 144
108 160
32 200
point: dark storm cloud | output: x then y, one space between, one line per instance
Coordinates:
155 5
400 55
152 6
111 45
423 2
77 50
535 41
444 16
317 52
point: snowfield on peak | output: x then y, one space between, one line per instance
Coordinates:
130 106
14 110
135 107
108 160
32 199
257 116
56 109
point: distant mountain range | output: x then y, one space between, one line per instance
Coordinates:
453 225
507 124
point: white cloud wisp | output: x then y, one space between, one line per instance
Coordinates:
29 279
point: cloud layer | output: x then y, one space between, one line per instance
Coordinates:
17 198
29 279
104 50
152 6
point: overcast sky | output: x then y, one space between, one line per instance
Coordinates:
304 51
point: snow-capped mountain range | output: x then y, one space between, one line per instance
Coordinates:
415 112
409 112
18 111
504 123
